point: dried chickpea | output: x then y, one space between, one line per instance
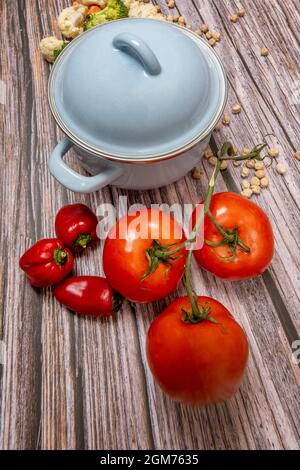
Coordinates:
297 155
170 18
224 165
250 164
171 4
198 32
189 26
176 18
204 28
264 182
255 189
237 163
245 184
241 13
273 152
208 35
181 20
218 127
236 109
281 168
264 52
234 18
255 181
246 151
197 174
260 174
212 42
208 154
247 193
259 166
245 172
226 120
217 36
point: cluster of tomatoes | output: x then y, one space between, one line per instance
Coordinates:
197 352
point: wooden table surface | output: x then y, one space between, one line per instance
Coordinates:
71 382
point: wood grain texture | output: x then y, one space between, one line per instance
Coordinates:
72 382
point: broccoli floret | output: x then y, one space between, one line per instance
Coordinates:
114 10
56 52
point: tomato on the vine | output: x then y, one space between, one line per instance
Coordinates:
137 257
197 361
239 241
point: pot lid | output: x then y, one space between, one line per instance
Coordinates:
137 89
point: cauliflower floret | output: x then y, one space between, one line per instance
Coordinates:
88 3
48 46
143 10
71 19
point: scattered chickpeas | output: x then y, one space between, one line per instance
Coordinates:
281 168
273 152
181 20
237 163
254 181
170 18
212 161
234 18
264 52
259 166
197 173
217 36
224 165
255 189
189 26
250 164
260 174
204 28
264 182
198 32
241 13
176 18
226 120
245 184
236 109
245 172
171 4
247 193
297 154
208 35
212 42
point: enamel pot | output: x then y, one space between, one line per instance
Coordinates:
138 99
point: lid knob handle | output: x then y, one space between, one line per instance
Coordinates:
137 48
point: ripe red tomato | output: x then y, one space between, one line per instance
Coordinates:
233 211
197 363
125 255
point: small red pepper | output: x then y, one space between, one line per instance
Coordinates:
75 225
88 295
47 262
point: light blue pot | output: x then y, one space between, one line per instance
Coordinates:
139 99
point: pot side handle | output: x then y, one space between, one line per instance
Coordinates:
73 180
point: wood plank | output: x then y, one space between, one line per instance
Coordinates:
62 371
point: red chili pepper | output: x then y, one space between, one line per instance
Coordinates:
47 262
75 225
88 295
